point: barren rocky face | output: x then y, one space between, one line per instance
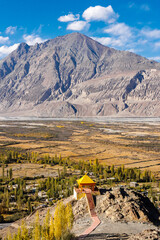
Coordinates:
127 205
74 75
151 234
121 204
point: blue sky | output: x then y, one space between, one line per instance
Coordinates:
121 24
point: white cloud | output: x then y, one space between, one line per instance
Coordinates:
119 29
99 13
141 41
145 7
5 50
78 26
11 30
131 4
157 45
121 35
33 39
3 39
132 50
109 41
155 58
69 18
154 34
103 40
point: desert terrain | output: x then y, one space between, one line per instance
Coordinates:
134 144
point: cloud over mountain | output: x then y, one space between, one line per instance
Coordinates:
33 39
5 50
69 18
3 39
99 13
78 25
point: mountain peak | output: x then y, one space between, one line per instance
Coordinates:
23 48
74 74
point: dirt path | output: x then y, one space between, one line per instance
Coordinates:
94 217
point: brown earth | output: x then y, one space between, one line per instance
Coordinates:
33 170
132 144
151 234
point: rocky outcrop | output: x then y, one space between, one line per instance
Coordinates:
150 234
127 205
74 75
80 208
121 204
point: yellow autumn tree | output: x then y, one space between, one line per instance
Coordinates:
69 216
14 237
9 236
51 229
60 225
37 228
18 237
58 229
46 225
63 221
24 231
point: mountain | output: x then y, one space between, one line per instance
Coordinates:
73 75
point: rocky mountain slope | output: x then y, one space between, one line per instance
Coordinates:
74 75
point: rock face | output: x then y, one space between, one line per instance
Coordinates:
147 234
121 204
80 208
74 75
127 205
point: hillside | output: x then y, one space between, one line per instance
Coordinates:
128 211
74 75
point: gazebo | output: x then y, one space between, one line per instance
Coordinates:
86 182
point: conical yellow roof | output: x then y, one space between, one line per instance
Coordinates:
85 179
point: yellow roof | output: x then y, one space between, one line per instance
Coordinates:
85 179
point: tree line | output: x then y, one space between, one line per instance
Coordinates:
57 228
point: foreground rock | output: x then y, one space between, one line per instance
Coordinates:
122 212
151 234
80 208
127 205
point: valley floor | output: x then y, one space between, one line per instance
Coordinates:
134 144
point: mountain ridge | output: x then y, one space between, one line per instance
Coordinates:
74 75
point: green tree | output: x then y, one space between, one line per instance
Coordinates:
112 170
29 205
7 199
10 173
3 171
